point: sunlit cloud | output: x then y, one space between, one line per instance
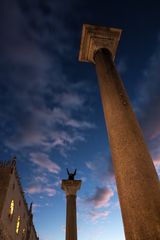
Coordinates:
156 161
97 215
38 189
101 197
42 160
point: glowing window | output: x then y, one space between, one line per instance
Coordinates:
11 210
18 225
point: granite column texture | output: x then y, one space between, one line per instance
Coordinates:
71 218
137 181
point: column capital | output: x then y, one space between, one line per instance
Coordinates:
94 38
71 186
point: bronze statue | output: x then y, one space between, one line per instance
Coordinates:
71 175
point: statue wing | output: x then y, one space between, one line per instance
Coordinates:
75 172
67 171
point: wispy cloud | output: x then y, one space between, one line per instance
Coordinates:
101 168
42 160
148 102
91 165
101 197
96 215
35 205
70 100
38 189
80 124
34 101
43 182
148 96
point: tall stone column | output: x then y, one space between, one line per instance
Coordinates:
71 187
136 178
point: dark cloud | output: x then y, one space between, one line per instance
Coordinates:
149 97
148 102
36 110
48 24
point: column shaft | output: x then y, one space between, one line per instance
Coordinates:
137 181
71 219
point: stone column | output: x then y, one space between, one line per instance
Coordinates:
71 187
136 178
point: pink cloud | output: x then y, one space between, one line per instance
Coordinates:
155 150
101 197
37 189
99 215
34 189
156 162
43 161
62 138
50 191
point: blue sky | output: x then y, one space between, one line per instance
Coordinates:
50 110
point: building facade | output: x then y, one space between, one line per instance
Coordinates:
16 220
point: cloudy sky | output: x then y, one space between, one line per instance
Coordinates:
50 110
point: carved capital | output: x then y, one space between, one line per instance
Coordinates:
71 186
94 38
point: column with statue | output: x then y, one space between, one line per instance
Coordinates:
71 186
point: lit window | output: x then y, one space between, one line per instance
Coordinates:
18 225
11 210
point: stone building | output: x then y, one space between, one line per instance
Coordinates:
15 218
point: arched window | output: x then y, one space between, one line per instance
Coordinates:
11 209
18 225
